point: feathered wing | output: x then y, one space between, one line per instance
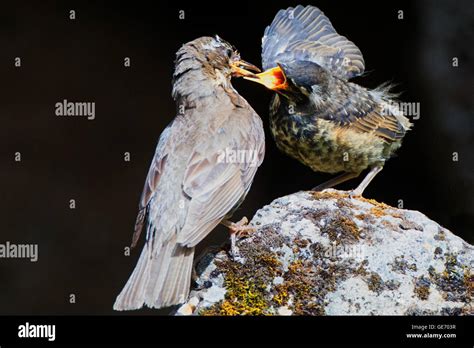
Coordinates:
161 254
216 184
305 33
211 188
151 182
370 112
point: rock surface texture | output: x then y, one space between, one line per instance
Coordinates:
327 253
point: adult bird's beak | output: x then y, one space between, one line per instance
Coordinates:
274 78
241 68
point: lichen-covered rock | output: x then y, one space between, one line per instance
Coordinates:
327 253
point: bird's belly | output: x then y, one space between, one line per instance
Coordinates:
326 147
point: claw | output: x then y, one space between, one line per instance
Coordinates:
238 230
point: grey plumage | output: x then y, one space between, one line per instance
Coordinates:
188 190
306 34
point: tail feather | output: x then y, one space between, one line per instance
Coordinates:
178 278
158 273
161 278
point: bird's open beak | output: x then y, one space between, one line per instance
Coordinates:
241 68
273 79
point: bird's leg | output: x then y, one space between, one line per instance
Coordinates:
237 229
368 178
335 181
240 228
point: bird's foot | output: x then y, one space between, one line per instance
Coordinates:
237 231
363 185
355 193
241 229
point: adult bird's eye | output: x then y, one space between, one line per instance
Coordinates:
229 53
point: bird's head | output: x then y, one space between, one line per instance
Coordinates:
295 81
217 58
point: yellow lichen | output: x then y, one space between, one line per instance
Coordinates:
329 194
269 261
351 227
377 211
243 297
362 216
340 228
299 284
375 282
295 266
422 291
228 308
302 243
381 205
281 297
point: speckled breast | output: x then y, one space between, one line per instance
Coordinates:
326 147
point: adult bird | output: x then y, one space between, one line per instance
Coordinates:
317 116
191 186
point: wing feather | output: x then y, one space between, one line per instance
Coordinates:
217 187
206 213
210 187
305 33
151 182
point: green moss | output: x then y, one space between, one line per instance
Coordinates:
246 284
244 296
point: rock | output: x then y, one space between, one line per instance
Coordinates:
327 253
189 307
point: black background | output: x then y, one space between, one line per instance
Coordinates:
239 331
81 250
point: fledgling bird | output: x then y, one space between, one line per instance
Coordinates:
317 116
191 187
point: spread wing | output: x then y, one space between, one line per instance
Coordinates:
215 183
305 33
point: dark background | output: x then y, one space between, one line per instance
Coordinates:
81 250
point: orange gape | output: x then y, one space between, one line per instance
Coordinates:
273 78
